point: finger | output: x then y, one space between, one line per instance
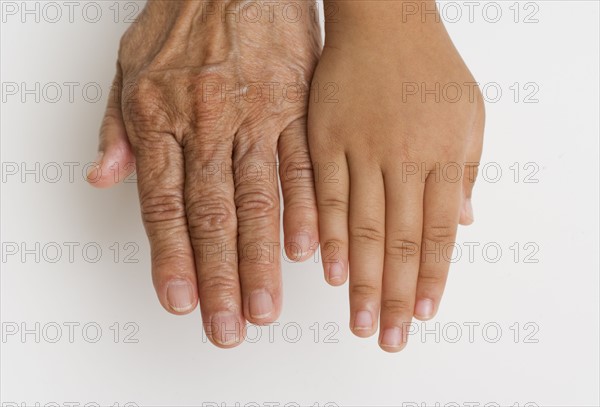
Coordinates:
403 228
332 186
115 160
440 221
160 186
257 202
473 156
209 197
367 245
300 222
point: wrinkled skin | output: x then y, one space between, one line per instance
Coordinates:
391 212
198 104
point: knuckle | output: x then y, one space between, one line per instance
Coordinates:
300 203
260 276
143 96
295 159
207 215
440 234
259 204
401 247
213 155
142 103
334 205
296 170
169 258
397 306
431 279
260 257
217 284
367 233
364 290
330 136
162 208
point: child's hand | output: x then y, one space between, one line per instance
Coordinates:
405 144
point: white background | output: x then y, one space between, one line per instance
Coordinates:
553 361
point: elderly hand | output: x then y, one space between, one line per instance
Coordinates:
207 95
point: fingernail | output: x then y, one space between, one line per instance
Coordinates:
392 338
363 320
180 295
303 240
336 272
225 328
95 169
424 308
261 304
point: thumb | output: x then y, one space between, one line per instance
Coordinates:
471 166
115 160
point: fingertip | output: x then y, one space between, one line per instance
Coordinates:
226 329
180 297
264 320
425 309
335 262
111 167
94 172
392 339
115 160
336 274
465 221
300 246
262 307
392 349
363 324
363 333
